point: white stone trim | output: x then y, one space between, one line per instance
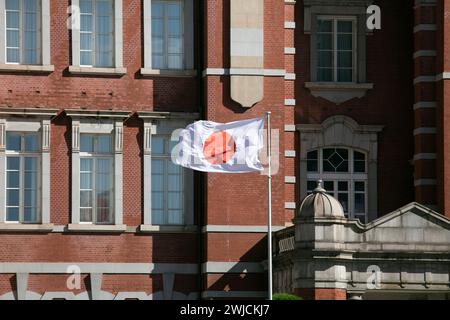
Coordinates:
238 229
28 125
168 73
45 65
26 68
424 53
290 102
92 126
443 76
147 167
118 43
99 268
290 205
244 72
24 227
98 71
232 267
424 79
290 153
188 37
425 130
425 182
425 156
289 128
289 180
425 27
234 294
290 77
289 50
289 24
425 105
106 228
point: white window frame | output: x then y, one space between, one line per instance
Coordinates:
335 20
44 40
97 126
188 41
118 67
22 155
351 177
169 127
31 126
94 157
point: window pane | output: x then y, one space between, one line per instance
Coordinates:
360 203
345 59
335 160
359 162
312 161
13 141
86 215
344 42
104 215
12 5
86 143
174 10
175 217
12 214
175 28
30 214
157 9
12 55
158 145
13 163
325 59
329 186
86 199
175 62
85 181
30 21
325 75
12 38
175 45
157 217
345 75
30 198
31 142
31 180
86 165
85 23
310 186
343 186
360 186
345 26
104 144
86 6
86 58
85 41
12 197
343 199
12 179
324 26
104 166
325 42
12 20
30 164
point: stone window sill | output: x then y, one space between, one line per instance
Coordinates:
26 68
97 71
338 92
22 227
119 228
145 228
168 73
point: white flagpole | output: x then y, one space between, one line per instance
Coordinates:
269 206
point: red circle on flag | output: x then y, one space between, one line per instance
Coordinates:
219 148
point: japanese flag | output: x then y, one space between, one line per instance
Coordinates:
221 147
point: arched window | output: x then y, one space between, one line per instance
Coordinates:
344 174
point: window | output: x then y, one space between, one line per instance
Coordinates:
344 172
168 34
97 33
336 43
167 184
23 31
96 179
22 177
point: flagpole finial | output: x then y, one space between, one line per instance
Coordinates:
268 112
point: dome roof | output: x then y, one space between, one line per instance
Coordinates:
320 204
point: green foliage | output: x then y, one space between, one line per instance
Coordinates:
285 296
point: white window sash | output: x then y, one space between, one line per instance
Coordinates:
43 166
44 38
117 138
334 20
118 35
188 35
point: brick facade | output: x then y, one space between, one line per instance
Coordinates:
228 260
